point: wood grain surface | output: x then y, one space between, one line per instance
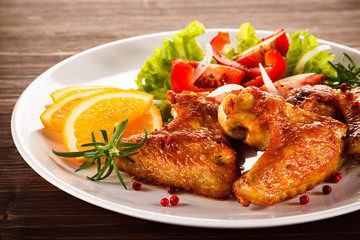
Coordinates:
36 34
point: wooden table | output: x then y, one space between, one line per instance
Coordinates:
36 34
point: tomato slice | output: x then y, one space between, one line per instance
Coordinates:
180 74
213 77
255 55
275 67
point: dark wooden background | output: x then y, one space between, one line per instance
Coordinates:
36 34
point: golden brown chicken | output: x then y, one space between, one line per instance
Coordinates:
327 101
191 152
302 148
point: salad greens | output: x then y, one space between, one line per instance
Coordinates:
245 39
302 42
154 77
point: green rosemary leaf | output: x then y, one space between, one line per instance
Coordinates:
108 172
133 145
90 154
129 159
93 144
350 60
91 178
118 174
103 154
71 154
120 134
118 129
85 165
98 164
102 170
144 139
93 137
105 136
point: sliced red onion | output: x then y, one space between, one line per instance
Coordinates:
307 56
203 64
267 81
221 92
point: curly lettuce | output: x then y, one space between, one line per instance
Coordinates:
302 42
154 76
245 39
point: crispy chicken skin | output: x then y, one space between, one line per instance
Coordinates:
302 148
190 153
327 101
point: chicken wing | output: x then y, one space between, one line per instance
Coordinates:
191 152
302 148
327 101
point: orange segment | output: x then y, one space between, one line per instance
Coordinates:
54 115
104 110
56 95
150 120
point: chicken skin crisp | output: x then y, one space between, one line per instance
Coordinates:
302 148
327 101
190 153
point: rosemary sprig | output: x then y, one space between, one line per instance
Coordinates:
349 74
106 150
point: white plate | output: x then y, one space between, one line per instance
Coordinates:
117 64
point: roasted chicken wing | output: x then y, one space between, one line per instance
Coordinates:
327 101
302 149
190 153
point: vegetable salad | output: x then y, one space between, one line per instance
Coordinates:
299 53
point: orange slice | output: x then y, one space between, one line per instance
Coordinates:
102 111
54 115
56 95
150 120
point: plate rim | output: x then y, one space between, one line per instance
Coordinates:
153 216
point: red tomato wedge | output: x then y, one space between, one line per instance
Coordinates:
255 55
213 77
275 67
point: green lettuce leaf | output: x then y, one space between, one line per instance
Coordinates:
154 76
320 64
246 37
300 43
